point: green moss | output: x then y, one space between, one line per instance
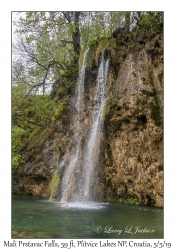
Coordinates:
61 91
130 47
149 25
161 78
111 102
59 110
148 93
155 110
145 82
131 200
36 140
38 157
90 57
105 44
18 136
154 106
54 184
155 113
120 200
151 79
110 199
139 158
92 42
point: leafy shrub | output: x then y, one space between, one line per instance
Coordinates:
18 136
59 110
132 200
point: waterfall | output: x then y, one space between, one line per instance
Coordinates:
96 131
80 102
78 181
68 180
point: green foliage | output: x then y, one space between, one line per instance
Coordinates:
92 42
46 58
45 47
149 24
47 38
59 109
46 41
30 111
131 200
54 184
33 119
18 137
61 90
96 25
105 44
110 199
150 21
130 47
89 56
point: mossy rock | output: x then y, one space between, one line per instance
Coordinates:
54 184
161 78
131 200
105 45
156 113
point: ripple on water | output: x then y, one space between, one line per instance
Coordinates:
82 205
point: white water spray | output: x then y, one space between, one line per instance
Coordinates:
68 180
96 133
78 181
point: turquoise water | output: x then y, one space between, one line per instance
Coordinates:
34 217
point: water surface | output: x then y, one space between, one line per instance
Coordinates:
34 217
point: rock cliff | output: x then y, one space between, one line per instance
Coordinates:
134 135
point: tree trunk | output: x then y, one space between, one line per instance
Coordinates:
76 36
73 17
127 22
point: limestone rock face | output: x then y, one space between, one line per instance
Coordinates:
37 174
134 133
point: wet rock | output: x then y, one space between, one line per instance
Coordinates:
134 129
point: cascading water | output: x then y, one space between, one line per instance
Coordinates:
80 102
96 131
78 181
68 178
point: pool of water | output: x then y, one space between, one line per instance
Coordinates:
34 217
